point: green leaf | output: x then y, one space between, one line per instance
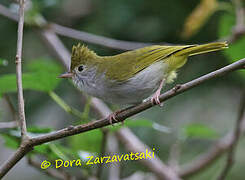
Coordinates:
47 65
55 151
64 152
199 131
11 141
236 49
43 77
89 141
42 149
36 129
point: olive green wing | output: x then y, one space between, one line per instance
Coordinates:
124 66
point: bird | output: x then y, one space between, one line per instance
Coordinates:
134 76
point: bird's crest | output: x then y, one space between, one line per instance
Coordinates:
81 55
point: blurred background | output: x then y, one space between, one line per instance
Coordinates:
188 124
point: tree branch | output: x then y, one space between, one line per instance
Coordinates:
161 170
96 39
101 40
136 109
112 147
11 108
204 160
239 28
56 47
8 125
18 155
72 130
21 109
236 136
97 104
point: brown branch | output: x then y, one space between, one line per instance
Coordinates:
72 130
239 28
96 39
7 13
21 109
236 136
101 40
11 108
18 155
102 152
161 170
14 123
133 144
113 147
56 47
8 125
203 161
97 104
174 156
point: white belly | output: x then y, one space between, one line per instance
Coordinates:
133 91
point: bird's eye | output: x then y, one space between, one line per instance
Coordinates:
80 68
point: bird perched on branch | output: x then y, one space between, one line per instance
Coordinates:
133 76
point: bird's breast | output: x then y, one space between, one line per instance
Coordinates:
132 91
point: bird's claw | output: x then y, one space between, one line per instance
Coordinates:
112 117
155 100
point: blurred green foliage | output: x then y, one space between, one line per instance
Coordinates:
235 51
42 76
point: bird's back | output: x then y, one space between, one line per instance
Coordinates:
125 65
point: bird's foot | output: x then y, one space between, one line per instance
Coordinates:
155 99
112 117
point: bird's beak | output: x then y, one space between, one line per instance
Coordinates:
66 75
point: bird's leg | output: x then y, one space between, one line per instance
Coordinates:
112 116
155 97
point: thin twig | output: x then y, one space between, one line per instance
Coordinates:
11 108
113 147
7 13
72 130
164 172
8 125
203 161
14 123
174 156
133 144
239 28
21 107
137 109
102 152
96 39
64 106
97 104
56 47
16 157
236 136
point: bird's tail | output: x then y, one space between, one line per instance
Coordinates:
199 49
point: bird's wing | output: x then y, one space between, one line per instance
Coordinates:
124 66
